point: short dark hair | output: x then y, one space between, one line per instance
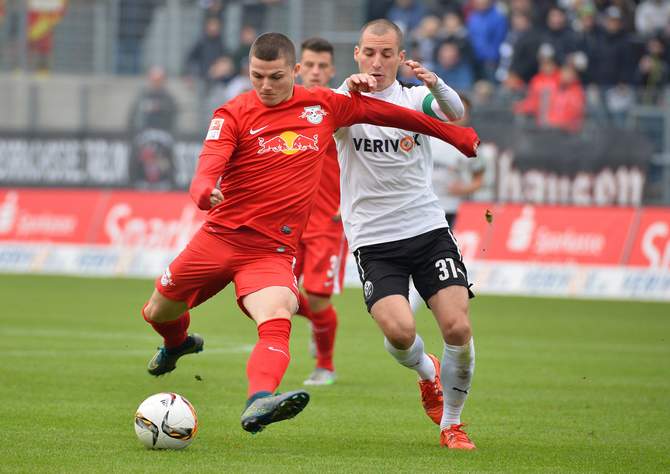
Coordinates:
318 45
272 46
382 26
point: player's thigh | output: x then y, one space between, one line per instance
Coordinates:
323 268
381 275
273 273
200 271
438 264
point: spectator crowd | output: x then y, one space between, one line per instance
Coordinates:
556 60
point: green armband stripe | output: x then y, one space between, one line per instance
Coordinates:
427 106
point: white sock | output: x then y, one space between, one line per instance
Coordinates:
413 358
458 365
415 299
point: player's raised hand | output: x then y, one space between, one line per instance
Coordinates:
427 77
361 83
215 197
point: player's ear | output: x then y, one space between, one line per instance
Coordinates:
401 55
357 51
296 70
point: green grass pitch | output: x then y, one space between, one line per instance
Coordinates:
560 386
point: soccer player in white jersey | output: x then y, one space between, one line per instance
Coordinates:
396 228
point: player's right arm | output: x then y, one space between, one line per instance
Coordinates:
220 144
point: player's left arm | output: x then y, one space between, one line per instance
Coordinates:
442 102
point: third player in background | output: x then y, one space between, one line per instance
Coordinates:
323 248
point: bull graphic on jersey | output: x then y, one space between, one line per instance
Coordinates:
288 143
313 114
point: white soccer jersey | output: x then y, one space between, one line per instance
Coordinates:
385 177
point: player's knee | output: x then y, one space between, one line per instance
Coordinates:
317 303
159 309
400 336
457 332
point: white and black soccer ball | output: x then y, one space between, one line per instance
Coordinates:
166 421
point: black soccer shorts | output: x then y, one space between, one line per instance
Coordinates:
433 260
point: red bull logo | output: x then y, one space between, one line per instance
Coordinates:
288 143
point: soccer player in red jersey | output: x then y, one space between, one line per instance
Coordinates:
323 247
257 176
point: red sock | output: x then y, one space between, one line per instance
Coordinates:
269 359
173 332
324 326
303 306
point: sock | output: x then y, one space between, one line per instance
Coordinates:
413 358
303 306
269 359
324 327
414 298
173 332
458 365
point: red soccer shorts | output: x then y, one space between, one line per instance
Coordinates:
211 261
321 261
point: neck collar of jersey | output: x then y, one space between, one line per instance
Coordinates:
389 90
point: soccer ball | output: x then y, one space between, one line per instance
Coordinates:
166 421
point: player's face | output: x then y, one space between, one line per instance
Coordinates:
272 80
316 68
379 56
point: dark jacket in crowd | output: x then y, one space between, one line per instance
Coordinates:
612 61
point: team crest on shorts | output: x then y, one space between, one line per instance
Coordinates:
314 114
368 289
166 279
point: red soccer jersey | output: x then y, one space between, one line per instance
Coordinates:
269 159
327 200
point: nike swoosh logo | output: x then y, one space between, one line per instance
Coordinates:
254 132
277 350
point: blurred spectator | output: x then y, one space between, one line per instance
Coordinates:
152 127
653 72
519 50
611 70
407 14
134 18
375 9
213 8
247 36
559 34
221 74
555 96
239 84
487 27
454 30
452 68
43 16
254 13
541 87
589 36
652 16
627 9
154 107
425 39
205 52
